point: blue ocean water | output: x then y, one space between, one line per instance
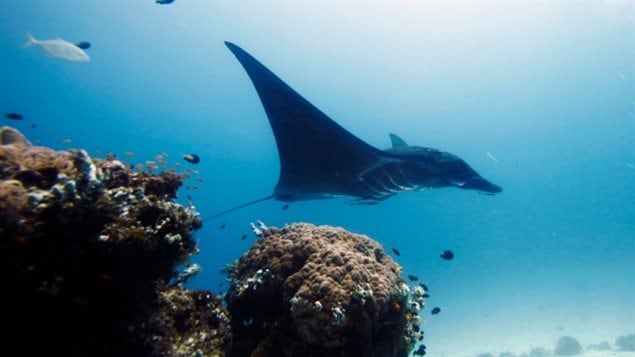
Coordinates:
538 97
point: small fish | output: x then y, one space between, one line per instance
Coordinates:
66 141
426 295
447 255
223 225
129 154
435 311
421 350
84 45
58 48
244 236
164 2
31 126
200 179
151 165
285 207
14 116
160 159
192 158
257 231
412 277
424 286
394 250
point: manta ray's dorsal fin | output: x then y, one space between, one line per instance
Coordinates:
396 141
315 152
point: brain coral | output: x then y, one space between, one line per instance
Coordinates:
320 290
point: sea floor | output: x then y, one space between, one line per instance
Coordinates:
499 331
504 316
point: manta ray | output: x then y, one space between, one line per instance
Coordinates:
321 159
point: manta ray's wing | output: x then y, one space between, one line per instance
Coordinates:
318 158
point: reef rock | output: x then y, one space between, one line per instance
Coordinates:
87 252
307 290
625 343
567 346
187 323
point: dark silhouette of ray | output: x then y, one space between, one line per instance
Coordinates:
321 159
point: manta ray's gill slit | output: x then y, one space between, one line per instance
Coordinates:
370 185
408 184
383 190
400 188
387 177
383 179
372 191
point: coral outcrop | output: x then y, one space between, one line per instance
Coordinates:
87 250
307 290
567 346
625 343
187 323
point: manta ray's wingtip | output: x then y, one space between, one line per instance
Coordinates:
232 46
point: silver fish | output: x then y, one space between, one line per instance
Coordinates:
58 48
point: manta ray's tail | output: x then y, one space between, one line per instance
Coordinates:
216 215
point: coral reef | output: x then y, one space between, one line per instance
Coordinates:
567 346
313 290
87 248
625 343
93 256
187 323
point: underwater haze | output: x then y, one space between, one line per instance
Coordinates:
537 97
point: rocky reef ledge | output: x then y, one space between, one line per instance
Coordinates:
93 256
88 251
